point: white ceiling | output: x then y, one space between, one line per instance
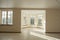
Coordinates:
30 3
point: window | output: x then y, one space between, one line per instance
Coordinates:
24 20
32 21
7 17
39 20
4 14
10 17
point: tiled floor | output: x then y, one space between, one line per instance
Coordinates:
30 34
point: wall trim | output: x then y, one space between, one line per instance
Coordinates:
8 32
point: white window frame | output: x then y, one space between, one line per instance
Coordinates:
7 12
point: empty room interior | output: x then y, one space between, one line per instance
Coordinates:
29 19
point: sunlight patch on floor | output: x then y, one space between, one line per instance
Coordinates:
43 36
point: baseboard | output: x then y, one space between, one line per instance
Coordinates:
8 32
52 32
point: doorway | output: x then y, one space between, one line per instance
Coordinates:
33 19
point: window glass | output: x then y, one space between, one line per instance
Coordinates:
10 17
4 14
40 20
32 20
24 20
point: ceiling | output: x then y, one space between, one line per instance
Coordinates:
29 3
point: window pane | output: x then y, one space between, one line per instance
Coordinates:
24 20
40 20
4 13
32 20
10 17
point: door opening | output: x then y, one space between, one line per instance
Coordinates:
33 19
